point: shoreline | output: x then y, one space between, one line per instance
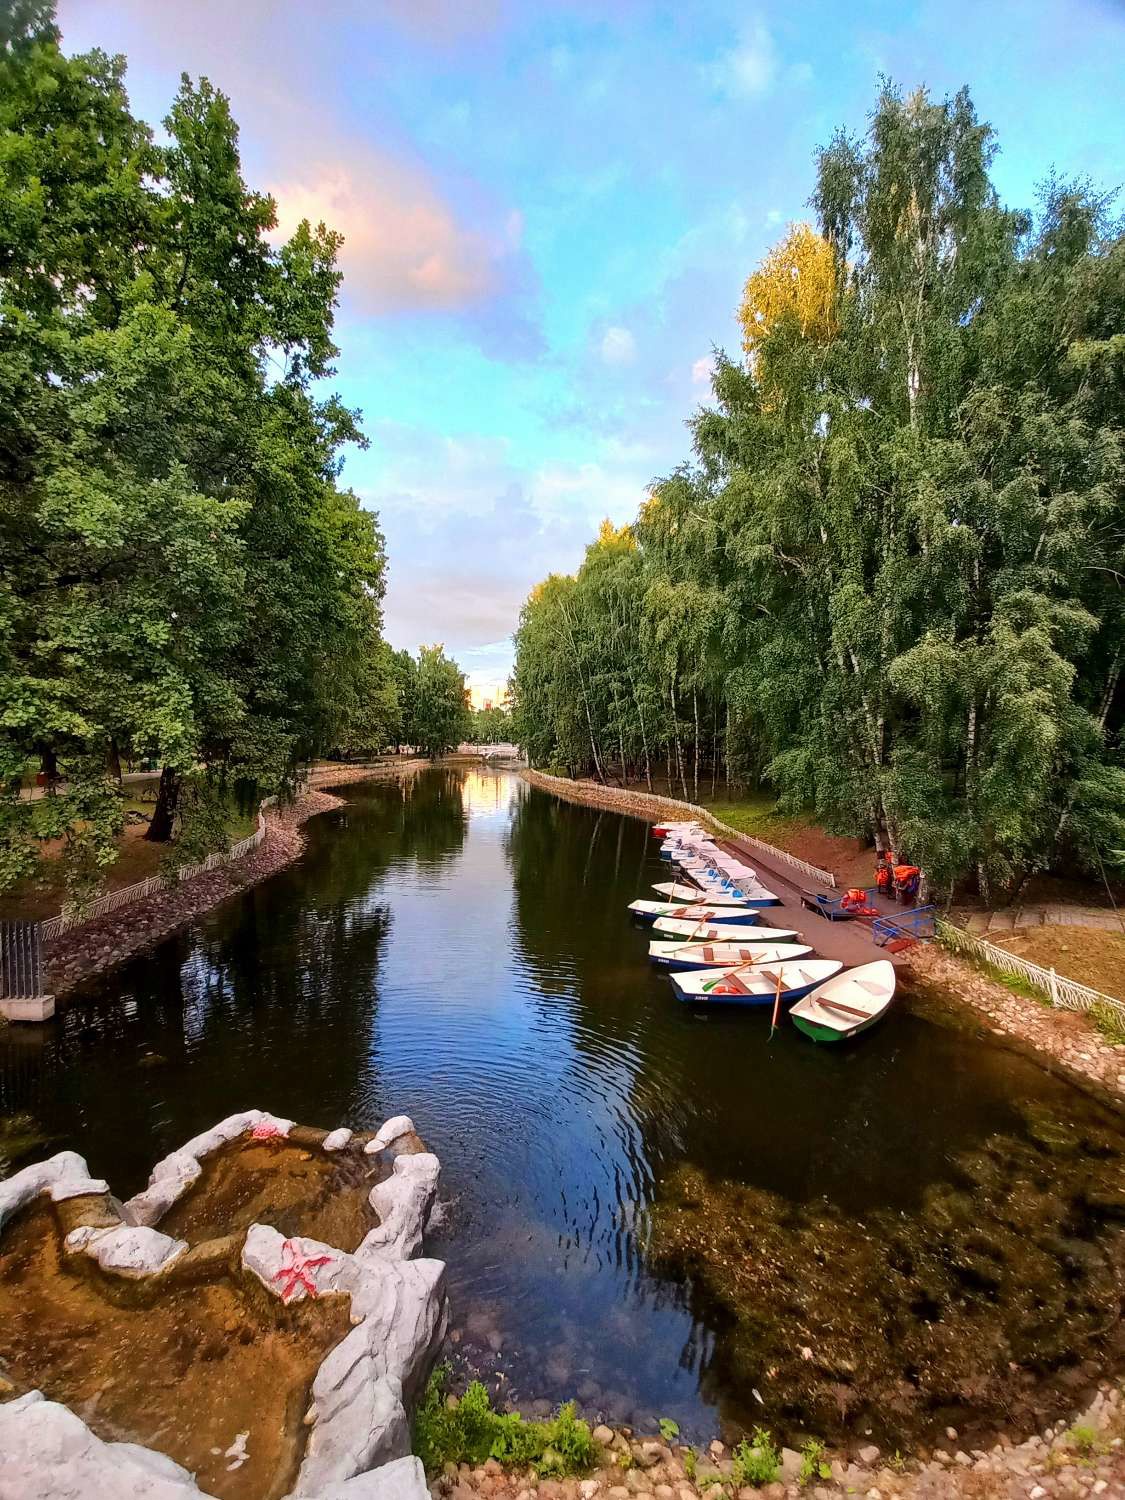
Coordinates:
1084 1457
1067 1043
95 947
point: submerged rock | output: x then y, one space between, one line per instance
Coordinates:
980 1305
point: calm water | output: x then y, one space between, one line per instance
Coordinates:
457 949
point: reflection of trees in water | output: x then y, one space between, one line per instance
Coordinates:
268 1003
422 817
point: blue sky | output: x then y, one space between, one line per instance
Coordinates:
550 209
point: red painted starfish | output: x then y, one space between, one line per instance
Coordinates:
296 1269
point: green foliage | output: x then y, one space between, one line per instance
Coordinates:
490 726
756 1460
886 584
435 712
814 1462
469 1431
181 578
1085 1439
691 1463
669 1429
1110 1021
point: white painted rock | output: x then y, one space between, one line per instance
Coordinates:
51 1454
64 1175
336 1140
390 1131
403 1203
404 1479
133 1250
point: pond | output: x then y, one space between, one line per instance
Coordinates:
658 1213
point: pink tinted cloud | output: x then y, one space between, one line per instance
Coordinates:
413 242
404 247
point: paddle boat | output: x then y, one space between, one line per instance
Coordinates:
847 1005
682 957
730 932
675 890
648 911
756 985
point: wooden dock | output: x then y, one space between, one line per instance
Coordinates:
851 942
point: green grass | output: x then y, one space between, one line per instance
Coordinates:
753 812
470 1431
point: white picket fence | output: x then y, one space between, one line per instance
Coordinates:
1066 994
101 906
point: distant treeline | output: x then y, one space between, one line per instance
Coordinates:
890 583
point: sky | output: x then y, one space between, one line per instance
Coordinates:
550 208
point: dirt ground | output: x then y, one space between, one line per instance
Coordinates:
1091 955
215 1374
272 1182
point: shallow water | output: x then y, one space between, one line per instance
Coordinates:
457 949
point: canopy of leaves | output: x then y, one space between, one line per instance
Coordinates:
182 580
890 583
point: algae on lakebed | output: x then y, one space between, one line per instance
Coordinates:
987 1307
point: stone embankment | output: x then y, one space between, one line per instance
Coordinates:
1065 1039
96 946
614 798
1086 1458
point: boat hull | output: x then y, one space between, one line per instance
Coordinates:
788 998
828 1035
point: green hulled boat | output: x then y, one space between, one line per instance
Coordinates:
851 1003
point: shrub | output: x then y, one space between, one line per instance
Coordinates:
756 1461
471 1432
814 1464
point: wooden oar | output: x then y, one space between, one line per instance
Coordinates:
692 938
776 1004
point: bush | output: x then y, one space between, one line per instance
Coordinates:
756 1461
471 1432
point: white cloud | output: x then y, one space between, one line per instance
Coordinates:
702 370
618 347
749 69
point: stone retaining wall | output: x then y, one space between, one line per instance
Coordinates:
101 944
1065 1038
653 808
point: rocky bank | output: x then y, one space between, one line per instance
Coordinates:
1084 1458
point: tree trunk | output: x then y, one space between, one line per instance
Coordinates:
49 767
695 771
113 762
164 814
679 746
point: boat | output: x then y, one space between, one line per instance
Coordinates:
728 932
758 985
847 1005
681 957
648 911
675 890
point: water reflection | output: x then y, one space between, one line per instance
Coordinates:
455 947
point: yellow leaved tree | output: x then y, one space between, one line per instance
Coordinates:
797 280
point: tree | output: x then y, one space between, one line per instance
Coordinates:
181 577
797 280
437 714
887 585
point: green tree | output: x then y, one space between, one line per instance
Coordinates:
436 717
